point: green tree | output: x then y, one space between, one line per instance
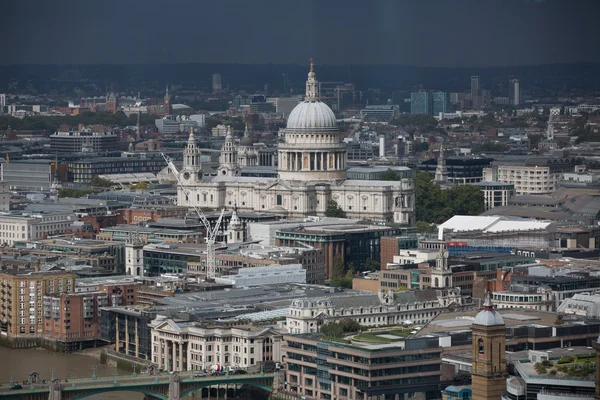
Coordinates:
434 205
101 182
70 192
372 265
390 175
338 269
341 328
334 210
424 227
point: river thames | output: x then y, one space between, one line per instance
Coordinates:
22 362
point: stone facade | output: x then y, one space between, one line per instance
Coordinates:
384 308
191 346
311 172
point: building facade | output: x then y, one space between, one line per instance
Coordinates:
496 194
23 227
193 346
312 164
22 299
83 141
421 103
383 308
322 369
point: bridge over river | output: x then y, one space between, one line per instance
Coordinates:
167 386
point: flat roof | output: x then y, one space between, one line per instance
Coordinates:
462 320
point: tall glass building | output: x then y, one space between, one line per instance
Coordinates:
421 103
441 101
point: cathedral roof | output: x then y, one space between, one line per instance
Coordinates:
312 113
488 316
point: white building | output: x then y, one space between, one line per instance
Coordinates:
529 179
496 194
194 346
312 172
383 308
271 274
264 232
22 227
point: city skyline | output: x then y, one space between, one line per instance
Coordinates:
436 34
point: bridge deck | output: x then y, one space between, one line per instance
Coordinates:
131 381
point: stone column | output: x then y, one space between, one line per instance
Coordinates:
159 360
55 392
174 388
117 333
137 340
174 355
126 335
181 356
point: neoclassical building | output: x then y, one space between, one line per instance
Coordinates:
383 308
185 346
312 163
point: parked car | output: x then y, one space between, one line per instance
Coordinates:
16 387
240 372
199 375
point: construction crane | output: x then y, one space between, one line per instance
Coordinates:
211 231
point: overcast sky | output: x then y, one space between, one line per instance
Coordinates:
436 33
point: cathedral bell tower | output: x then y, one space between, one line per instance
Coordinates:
192 169
228 161
489 354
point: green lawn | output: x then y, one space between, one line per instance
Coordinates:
376 337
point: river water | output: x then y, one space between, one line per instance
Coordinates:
22 362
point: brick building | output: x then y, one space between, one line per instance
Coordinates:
21 294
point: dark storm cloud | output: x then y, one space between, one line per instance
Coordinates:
424 32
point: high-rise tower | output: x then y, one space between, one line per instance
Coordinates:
489 354
475 92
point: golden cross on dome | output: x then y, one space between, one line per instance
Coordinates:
312 64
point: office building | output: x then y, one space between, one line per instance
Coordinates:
460 170
421 103
386 307
128 328
2 102
475 92
319 368
514 92
383 112
83 170
21 298
354 243
83 141
216 83
35 175
284 105
31 226
441 102
496 194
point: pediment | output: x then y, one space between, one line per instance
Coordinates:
168 326
279 185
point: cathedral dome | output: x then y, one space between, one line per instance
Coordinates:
312 115
488 316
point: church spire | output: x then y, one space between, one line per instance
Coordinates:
312 86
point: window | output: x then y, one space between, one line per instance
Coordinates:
279 199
